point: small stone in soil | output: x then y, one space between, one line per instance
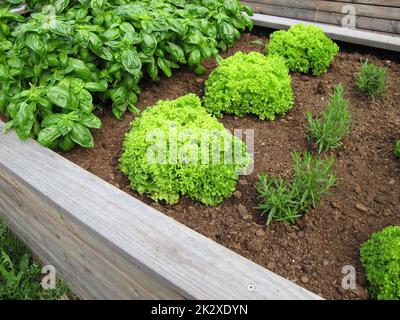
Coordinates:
361 207
260 233
307 269
293 235
284 261
271 266
304 279
288 227
237 194
335 205
254 245
156 205
242 210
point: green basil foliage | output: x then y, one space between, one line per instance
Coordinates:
250 83
305 48
193 153
68 56
380 257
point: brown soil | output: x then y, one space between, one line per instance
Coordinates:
312 252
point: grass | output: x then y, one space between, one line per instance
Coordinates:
372 79
20 276
333 126
397 149
283 200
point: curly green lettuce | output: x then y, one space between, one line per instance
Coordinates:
380 256
306 48
249 84
176 148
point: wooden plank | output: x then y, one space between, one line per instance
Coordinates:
389 26
366 38
384 3
362 10
107 244
389 3
68 247
21 9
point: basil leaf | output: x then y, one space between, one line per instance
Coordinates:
90 121
3 73
231 5
152 70
112 34
131 62
228 33
24 120
66 144
164 66
60 5
127 28
79 68
195 57
119 95
32 40
100 86
82 136
52 120
48 135
176 52
60 97
85 101
194 37
3 101
200 70
8 126
148 42
118 110
95 42
64 122
105 53
96 4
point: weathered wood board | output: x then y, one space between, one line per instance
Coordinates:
365 38
382 16
109 245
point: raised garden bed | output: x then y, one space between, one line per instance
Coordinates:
107 243
314 250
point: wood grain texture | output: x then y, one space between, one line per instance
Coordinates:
367 16
362 37
362 10
109 245
21 9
